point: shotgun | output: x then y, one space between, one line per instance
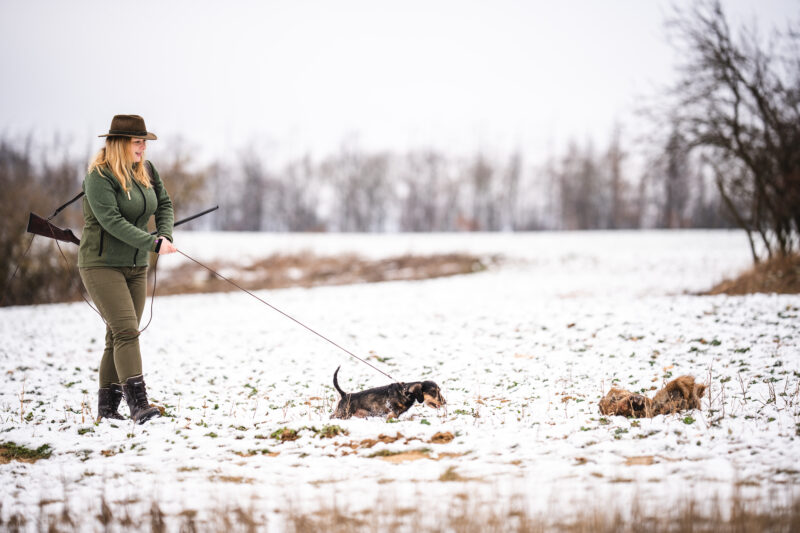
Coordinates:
40 226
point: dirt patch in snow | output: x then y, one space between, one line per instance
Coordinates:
309 270
779 275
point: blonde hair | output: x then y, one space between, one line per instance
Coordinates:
115 157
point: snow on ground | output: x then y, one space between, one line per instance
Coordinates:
522 354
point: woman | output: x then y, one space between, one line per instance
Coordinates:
123 191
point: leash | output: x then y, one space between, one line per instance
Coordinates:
348 352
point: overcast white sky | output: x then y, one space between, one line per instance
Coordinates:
305 75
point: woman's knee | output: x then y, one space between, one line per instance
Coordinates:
125 335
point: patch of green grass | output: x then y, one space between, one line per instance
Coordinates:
330 431
13 451
389 453
284 434
384 453
687 420
261 451
84 431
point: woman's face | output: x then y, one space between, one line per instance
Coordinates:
138 147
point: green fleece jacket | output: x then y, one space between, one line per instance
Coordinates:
115 223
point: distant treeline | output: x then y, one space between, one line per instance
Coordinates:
428 190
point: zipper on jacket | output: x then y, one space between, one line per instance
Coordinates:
136 222
102 234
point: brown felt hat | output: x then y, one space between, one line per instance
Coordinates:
129 126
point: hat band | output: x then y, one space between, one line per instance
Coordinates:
125 132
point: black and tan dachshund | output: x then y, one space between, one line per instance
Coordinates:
390 400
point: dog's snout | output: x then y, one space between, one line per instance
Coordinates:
435 401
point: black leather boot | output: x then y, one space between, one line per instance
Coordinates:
108 399
135 394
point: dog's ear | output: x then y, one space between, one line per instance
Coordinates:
415 391
700 389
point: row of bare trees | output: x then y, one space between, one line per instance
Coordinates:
427 190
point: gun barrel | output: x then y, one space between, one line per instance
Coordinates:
189 219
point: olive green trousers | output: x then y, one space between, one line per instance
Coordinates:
119 294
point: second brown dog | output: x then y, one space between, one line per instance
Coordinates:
679 394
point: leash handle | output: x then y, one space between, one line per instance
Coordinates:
318 334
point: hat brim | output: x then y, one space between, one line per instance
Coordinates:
148 137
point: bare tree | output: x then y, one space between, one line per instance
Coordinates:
427 201
509 199
252 208
676 182
618 216
481 177
361 189
583 193
186 184
737 103
299 197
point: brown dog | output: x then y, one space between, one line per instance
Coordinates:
678 395
390 400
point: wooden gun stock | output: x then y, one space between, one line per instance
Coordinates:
39 226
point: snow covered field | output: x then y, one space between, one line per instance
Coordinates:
522 354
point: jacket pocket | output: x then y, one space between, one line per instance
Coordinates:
102 235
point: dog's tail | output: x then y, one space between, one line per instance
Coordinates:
336 383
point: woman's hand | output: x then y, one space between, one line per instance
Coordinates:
166 247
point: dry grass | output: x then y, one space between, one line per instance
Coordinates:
463 513
780 275
309 270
